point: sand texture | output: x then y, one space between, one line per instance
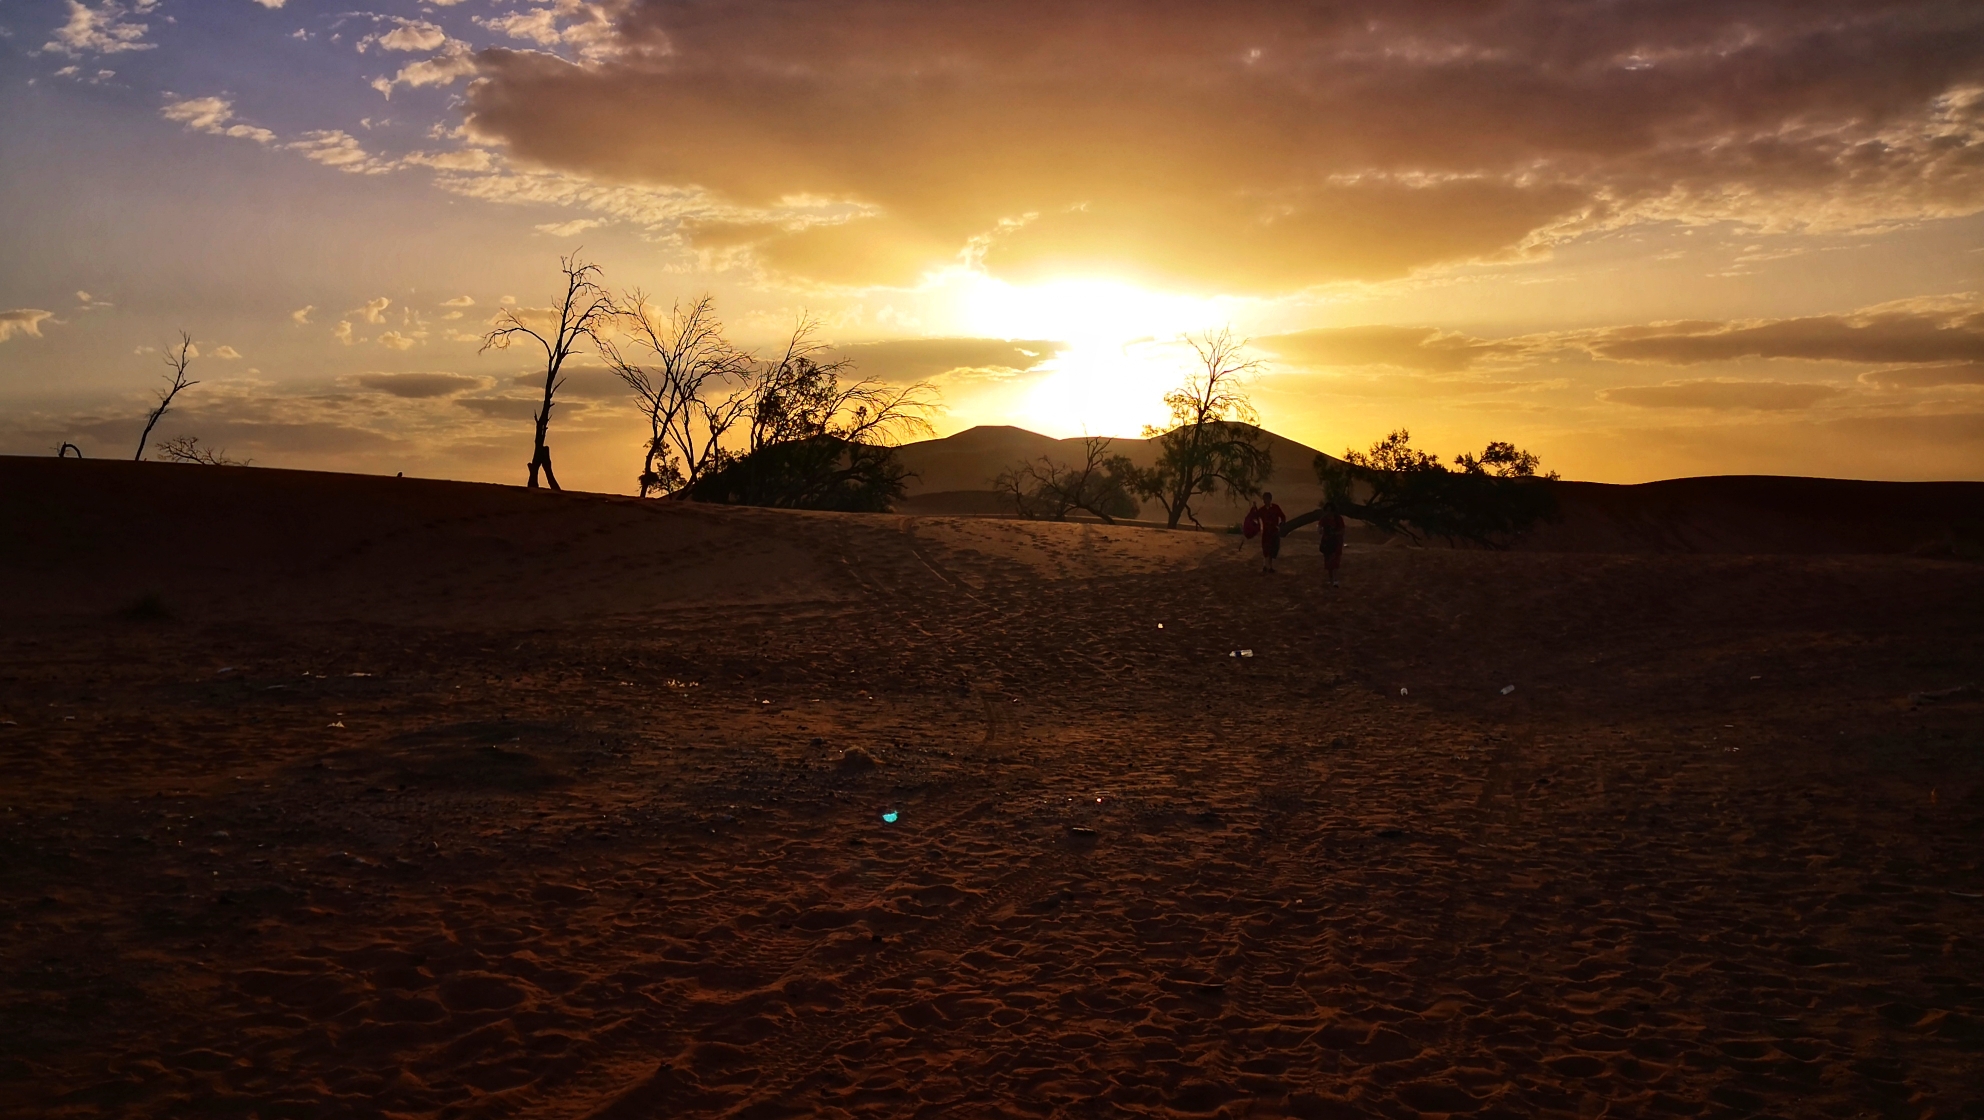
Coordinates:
332 796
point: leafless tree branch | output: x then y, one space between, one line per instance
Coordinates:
582 313
177 364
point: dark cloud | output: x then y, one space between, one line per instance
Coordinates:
416 386
1257 145
506 408
1893 333
1926 377
1415 348
918 359
1762 396
588 383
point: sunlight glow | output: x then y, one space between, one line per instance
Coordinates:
1123 350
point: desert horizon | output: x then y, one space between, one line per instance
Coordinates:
885 559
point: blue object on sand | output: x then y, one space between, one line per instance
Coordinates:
890 817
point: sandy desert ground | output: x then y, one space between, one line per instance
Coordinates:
340 796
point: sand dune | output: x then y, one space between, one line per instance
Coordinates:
954 474
1736 514
425 799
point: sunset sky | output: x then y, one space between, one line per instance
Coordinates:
1645 239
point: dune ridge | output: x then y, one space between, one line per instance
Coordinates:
376 815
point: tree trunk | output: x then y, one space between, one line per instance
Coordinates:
542 460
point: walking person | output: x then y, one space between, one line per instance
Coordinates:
1271 517
1331 523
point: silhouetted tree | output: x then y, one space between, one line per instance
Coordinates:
1044 488
176 363
1213 441
62 452
678 393
1484 499
580 315
815 443
187 449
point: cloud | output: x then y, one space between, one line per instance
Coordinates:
1767 396
454 62
569 229
1926 377
342 332
1416 348
339 149
588 27
507 408
374 310
459 301
420 386
396 341
1257 147
301 316
26 320
413 35
227 353
211 115
918 359
462 159
272 5
103 29
1908 331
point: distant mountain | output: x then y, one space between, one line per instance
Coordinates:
954 474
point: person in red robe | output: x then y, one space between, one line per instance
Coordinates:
1331 523
1271 518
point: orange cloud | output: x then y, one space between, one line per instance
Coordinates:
1911 331
1256 146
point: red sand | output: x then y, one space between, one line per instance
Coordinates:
527 804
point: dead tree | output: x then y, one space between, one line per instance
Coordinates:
177 364
187 449
580 315
62 452
796 396
1045 489
678 393
1214 441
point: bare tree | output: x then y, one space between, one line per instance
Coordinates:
177 364
187 449
693 362
62 452
583 311
1213 441
796 396
815 443
1044 488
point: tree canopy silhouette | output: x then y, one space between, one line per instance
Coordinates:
1046 489
1213 441
1486 499
814 441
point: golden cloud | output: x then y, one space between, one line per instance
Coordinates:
1416 348
919 359
1762 396
1255 147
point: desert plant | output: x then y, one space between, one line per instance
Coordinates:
814 442
579 316
1486 499
187 449
176 362
1212 442
1046 489
677 365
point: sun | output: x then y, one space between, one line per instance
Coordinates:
1121 348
